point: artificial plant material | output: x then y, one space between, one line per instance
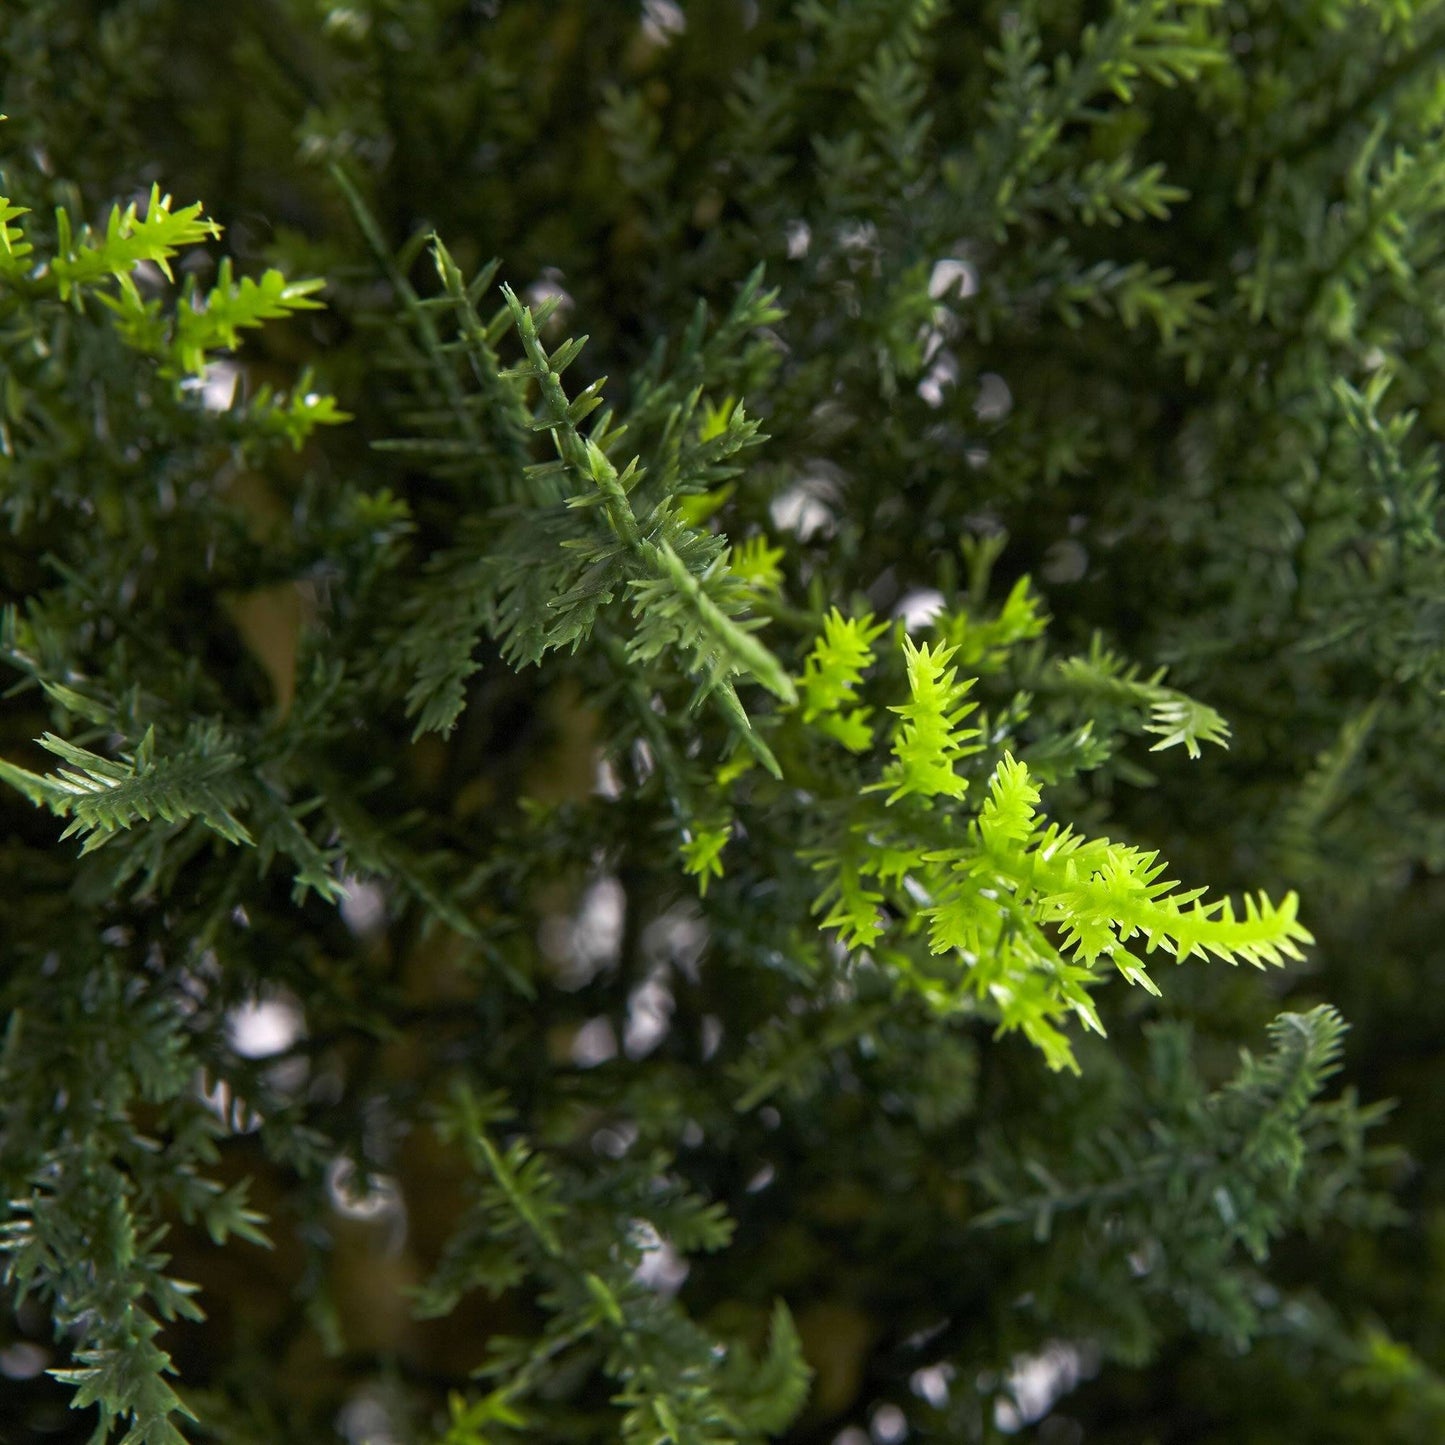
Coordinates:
606 648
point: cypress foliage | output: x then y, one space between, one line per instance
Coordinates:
604 649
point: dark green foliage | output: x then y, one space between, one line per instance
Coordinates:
605 648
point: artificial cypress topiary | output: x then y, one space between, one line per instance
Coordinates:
611 887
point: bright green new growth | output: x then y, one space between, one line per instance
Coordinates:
213 321
702 853
1018 913
182 338
83 259
832 673
930 744
755 562
983 644
13 245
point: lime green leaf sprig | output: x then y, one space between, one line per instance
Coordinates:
84 258
832 673
930 742
210 321
983 644
1015 915
14 248
184 338
470 1419
1060 904
755 562
1102 894
701 852
293 415
1031 909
